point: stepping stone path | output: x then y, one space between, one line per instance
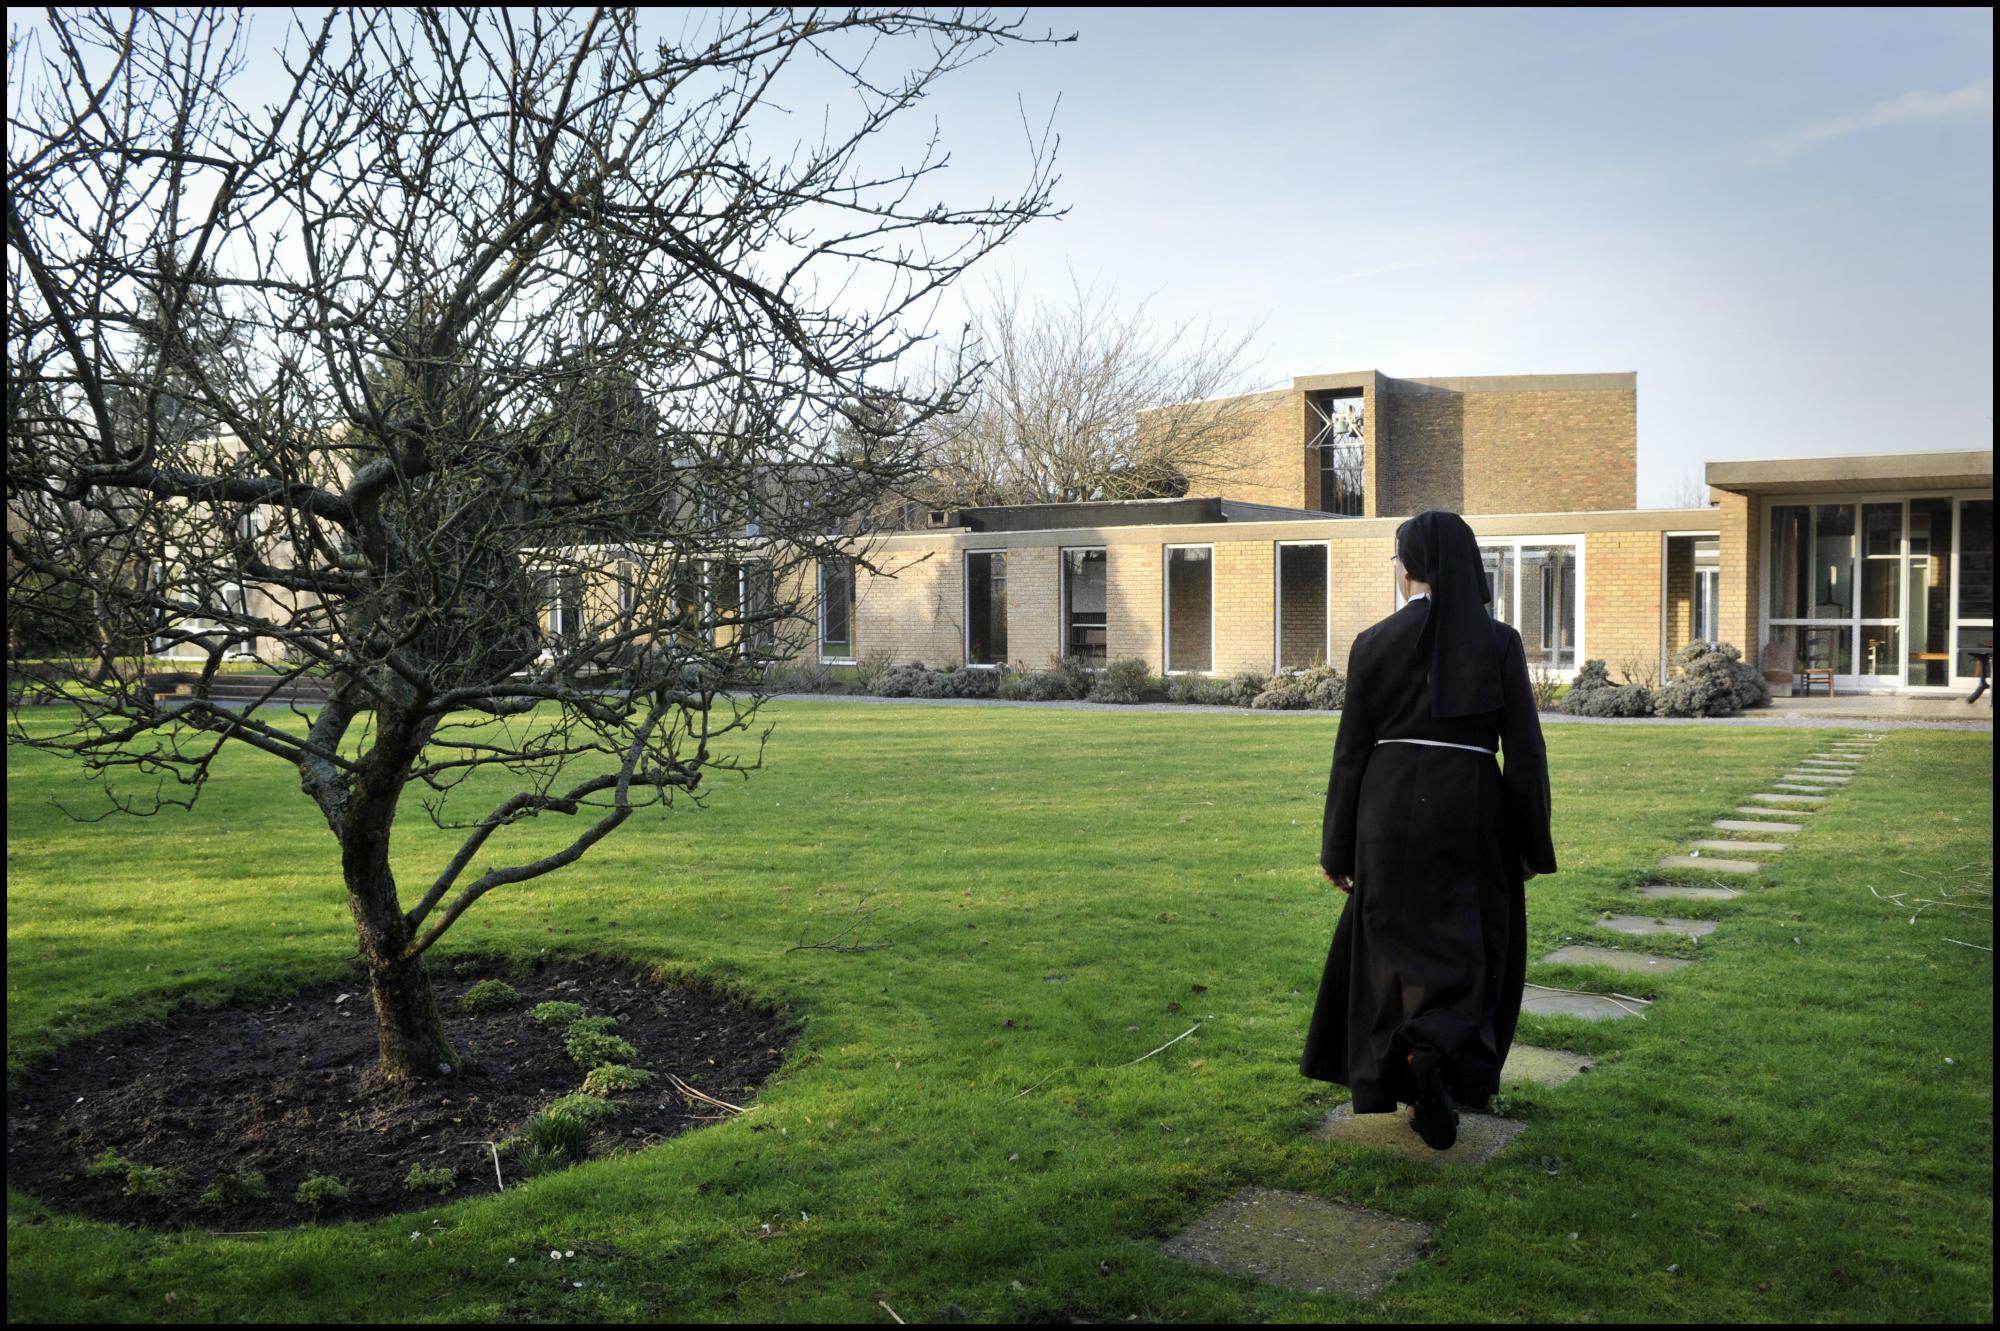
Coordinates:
1545 1067
1721 844
1654 924
1303 1242
1543 1001
1615 958
1662 891
1480 1136
1712 864
1319 1246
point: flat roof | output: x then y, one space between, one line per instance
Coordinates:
1121 513
1970 469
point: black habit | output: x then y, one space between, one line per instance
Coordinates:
1430 953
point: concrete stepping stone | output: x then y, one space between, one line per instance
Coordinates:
1664 891
1720 844
1713 865
1765 812
1544 1067
1616 958
1302 1242
1792 799
1824 778
1795 787
1480 1136
1848 758
1748 825
1542 1001
1650 924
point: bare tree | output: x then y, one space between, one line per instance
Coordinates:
1085 400
503 310
1691 491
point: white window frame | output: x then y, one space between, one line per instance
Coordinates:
1667 539
1278 598
853 612
1063 552
1857 683
1575 540
965 598
1167 607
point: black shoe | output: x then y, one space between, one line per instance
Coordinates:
1435 1120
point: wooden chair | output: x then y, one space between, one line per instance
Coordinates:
1818 645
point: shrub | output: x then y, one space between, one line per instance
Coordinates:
1547 688
107 1162
593 1025
440 1180
1126 680
556 1013
593 1049
934 684
869 669
901 681
1245 685
975 682
152 1181
1200 689
1714 680
588 1108
320 1190
488 996
1593 694
1319 687
231 1189
614 1077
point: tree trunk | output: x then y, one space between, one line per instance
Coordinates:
411 1035
408 1030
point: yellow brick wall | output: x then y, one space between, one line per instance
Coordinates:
1302 618
1742 556
1473 451
1621 597
916 615
1244 595
1269 453
1132 603
1363 589
1680 593
1034 590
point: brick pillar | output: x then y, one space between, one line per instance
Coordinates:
1740 575
1034 605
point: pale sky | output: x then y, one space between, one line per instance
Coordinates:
1782 220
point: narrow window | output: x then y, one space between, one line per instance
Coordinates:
1301 605
1190 597
986 608
836 609
1084 606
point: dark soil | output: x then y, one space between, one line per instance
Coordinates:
288 1088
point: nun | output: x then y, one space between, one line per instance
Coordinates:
1431 839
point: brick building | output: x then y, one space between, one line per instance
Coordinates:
1883 564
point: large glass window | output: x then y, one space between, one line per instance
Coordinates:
1791 558
1548 605
1928 597
986 608
1190 600
1833 561
1084 622
836 609
1338 442
1975 584
1535 588
1301 605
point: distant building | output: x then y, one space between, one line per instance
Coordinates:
1882 564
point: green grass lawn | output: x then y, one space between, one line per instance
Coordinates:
1801 1129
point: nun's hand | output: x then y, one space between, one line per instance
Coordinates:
1528 871
1339 880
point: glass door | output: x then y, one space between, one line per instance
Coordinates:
1974 601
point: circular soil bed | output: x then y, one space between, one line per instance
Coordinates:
288 1089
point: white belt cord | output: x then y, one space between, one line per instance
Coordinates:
1441 744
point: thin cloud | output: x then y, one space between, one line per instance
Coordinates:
1912 108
